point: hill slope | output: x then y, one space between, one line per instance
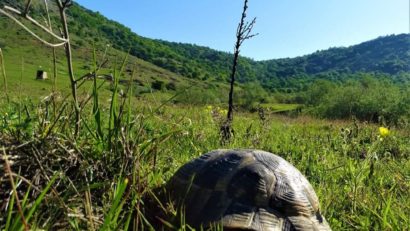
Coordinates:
388 55
24 55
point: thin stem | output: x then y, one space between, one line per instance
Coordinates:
3 71
54 89
63 17
242 33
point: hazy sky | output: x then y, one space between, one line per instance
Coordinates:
287 28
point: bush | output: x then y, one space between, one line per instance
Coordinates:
368 99
251 96
157 85
200 96
141 90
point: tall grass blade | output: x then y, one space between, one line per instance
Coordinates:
114 120
10 212
386 211
130 215
118 201
96 107
18 225
3 72
113 107
25 199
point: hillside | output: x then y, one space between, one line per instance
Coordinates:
387 55
24 55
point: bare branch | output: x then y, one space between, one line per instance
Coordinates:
250 36
31 32
35 23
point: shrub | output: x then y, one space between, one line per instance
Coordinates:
200 96
157 85
368 99
251 95
171 86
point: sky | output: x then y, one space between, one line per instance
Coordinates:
286 28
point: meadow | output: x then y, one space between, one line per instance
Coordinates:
128 147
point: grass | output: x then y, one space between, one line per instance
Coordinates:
280 107
362 182
21 50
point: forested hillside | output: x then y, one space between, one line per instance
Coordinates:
389 55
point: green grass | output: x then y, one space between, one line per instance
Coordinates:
362 182
24 56
279 107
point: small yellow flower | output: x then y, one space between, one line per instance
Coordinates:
208 108
384 132
223 111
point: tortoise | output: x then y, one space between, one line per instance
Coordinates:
245 190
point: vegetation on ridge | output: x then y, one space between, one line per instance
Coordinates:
386 55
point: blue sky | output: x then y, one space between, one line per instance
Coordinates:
287 28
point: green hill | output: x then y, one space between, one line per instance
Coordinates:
388 55
24 55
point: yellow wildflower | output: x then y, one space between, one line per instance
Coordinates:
384 131
208 108
223 111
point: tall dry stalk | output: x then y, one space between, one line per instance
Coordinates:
62 6
243 33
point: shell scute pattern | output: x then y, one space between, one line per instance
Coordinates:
246 189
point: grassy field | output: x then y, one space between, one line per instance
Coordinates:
23 56
98 179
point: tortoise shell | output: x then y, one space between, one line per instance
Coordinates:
245 189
